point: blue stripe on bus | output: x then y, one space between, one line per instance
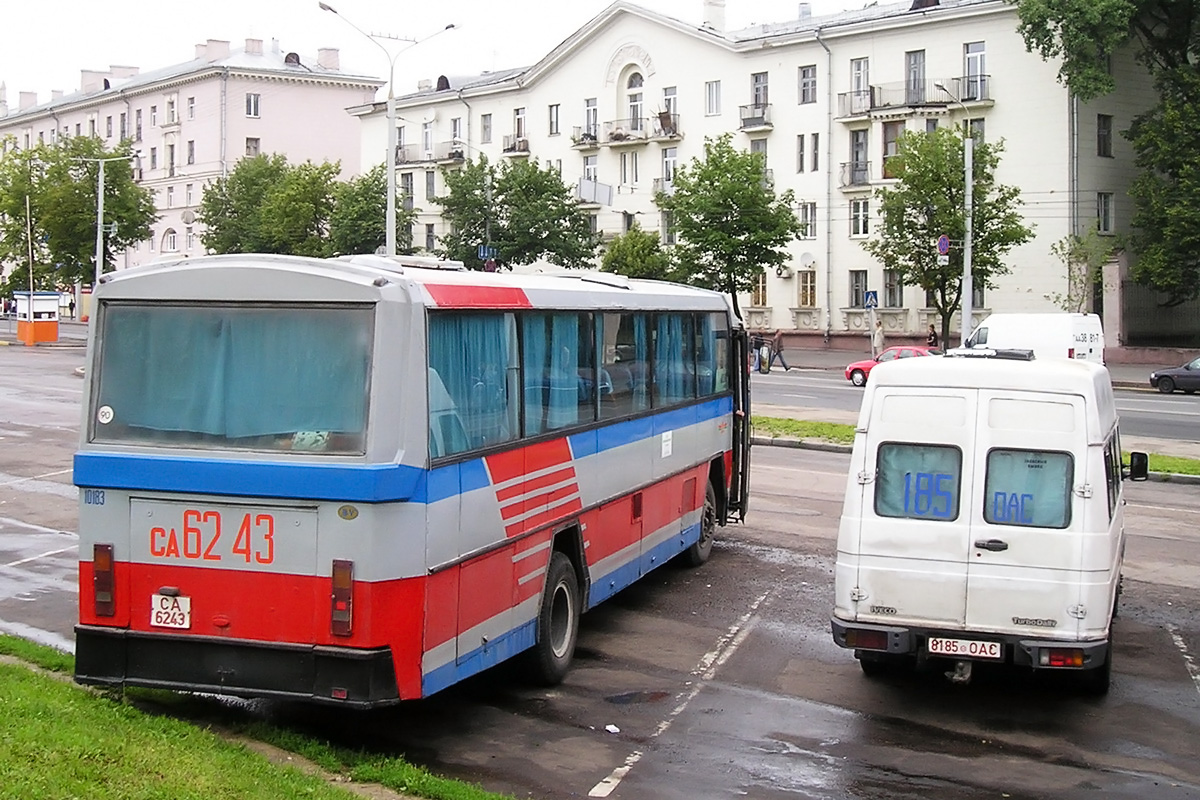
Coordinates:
362 483
496 650
625 575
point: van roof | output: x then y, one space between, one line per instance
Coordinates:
1053 375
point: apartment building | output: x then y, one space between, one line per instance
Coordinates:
629 98
192 121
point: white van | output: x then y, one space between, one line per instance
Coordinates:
983 518
1053 335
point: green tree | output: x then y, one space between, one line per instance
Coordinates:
61 182
358 222
730 223
638 254
928 201
522 209
296 211
1083 259
231 207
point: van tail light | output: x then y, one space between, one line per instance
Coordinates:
866 640
1060 657
342 618
1070 352
103 580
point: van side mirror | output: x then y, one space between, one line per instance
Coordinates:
1139 466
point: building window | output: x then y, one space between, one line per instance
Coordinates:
124 125
712 98
860 212
591 118
668 228
816 139
859 165
519 122
153 116
758 88
759 146
170 197
137 125
806 288
590 168
634 97
931 125
170 159
670 156
252 104
976 128
430 239
858 288
189 239
893 289
975 69
171 118
191 108
151 242
629 168
860 84
108 127
191 151
553 128
670 100
1104 126
153 158
430 185
758 295
891 133
188 196
170 241
456 130
808 84
78 132
914 77
253 146
92 127
977 299
800 153
485 128
806 213
1104 212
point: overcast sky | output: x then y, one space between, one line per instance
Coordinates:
45 43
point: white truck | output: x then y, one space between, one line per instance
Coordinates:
983 519
1049 335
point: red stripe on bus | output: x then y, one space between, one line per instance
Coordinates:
513 464
456 295
516 489
548 516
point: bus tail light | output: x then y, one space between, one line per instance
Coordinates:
103 580
342 597
1070 352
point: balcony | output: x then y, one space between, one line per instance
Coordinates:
855 174
451 152
516 146
665 126
618 132
585 137
411 154
662 185
755 117
914 94
593 193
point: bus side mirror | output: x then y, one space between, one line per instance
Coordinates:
1139 466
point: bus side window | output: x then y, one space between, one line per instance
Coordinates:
474 357
560 383
624 352
674 362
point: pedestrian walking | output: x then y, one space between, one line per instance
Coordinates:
877 340
931 338
757 343
777 350
71 305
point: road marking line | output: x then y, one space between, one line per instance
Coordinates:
1192 667
703 672
36 477
801 396
35 558
32 526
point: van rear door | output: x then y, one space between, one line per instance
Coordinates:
916 490
1026 546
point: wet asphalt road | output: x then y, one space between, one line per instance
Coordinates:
722 681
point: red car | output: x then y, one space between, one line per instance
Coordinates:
857 372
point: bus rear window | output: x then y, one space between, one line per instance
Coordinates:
233 377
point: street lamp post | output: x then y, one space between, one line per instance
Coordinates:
390 214
968 289
100 209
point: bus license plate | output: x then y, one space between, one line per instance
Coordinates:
170 612
964 647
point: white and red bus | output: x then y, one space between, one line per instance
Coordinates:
361 480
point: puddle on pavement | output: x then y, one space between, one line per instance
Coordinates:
637 697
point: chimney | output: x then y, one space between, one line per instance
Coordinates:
91 80
423 85
327 57
805 10
56 94
217 49
714 15
200 51
26 100
254 47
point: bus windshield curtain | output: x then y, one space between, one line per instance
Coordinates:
236 373
471 354
551 367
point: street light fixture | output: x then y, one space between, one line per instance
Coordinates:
968 289
390 217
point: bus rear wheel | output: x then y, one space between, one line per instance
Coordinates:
557 622
699 552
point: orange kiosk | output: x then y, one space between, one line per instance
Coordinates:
37 316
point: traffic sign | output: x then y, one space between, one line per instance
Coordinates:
943 260
871 300
487 251
943 244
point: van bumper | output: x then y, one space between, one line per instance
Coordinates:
1019 650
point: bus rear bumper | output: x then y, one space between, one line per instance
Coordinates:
115 657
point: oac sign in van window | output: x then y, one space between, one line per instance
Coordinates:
918 481
1031 488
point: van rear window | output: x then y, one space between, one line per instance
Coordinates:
1030 488
918 481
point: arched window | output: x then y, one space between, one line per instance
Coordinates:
170 242
633 94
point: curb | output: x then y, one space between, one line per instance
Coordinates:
831 447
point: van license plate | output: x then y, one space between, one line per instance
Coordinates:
964 647
170 612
